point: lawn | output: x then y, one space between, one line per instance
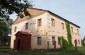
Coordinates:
81 51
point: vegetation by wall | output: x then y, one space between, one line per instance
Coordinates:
69 37
64 43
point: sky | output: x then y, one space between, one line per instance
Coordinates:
72 10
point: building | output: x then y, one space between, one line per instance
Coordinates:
41 30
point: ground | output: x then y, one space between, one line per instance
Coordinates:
5 54
71 51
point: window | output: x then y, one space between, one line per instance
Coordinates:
15 28
79 41
78 31
39 22
53 22
26 26
38 40
72 29
75 41
62 25
53 39
59 40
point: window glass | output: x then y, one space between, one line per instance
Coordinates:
38 40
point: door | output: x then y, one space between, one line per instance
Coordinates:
18 44
26 42
22 41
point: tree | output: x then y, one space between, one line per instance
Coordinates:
5 30
65 44
83 41
7 7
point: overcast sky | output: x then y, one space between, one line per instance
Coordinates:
72 10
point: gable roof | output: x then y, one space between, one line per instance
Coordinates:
63 18
33 12
36 12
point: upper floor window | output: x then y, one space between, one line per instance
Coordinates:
62 25
15 28
78 31
38 40
39 22
26 26
53 22
72 29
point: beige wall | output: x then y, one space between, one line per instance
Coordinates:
45 31
57 30
35 30
75 34
19 27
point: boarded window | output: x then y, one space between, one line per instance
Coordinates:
39 22
53 22
15 28
38 40
62 25
26 26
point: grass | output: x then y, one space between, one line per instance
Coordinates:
71 51
6 50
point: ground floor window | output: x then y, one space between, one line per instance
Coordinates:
75 41
53 39
79 41
38 40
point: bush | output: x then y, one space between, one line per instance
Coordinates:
64 43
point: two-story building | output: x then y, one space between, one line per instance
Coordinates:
39 29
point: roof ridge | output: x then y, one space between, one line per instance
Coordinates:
63 18
38 9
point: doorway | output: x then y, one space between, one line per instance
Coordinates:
18 44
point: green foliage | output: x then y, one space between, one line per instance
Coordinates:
83 41
59 41
69 37
4 31
64 43
7 7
